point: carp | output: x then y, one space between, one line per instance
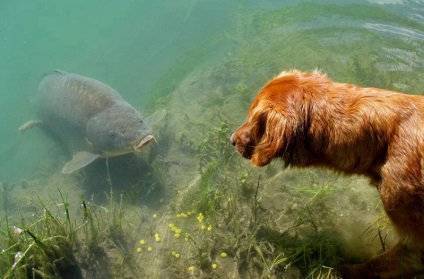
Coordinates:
90 117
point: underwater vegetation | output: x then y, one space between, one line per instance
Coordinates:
53 244
224 228
42 248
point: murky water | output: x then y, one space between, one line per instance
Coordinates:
128 45
144 48
202 61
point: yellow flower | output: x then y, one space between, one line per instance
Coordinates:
178 231
171 226
149 249
190 269
139 250
173 253
209 228
214 265
223 255
177 256
203 227
177 235
142 242
155 216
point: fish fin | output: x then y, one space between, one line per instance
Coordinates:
80 160
30 124
155 117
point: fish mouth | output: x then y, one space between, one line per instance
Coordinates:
143 142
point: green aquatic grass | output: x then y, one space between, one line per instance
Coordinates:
227 194
43 246
54 244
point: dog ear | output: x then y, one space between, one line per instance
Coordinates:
278 134
272 134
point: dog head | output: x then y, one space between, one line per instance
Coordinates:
276 121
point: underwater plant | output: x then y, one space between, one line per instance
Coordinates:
44 248
53 244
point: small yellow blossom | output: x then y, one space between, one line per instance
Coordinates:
177 235
203 227
142 242
190 269
223 255
214 265
155 216
139 250
178 231
209 228
177 256
149 249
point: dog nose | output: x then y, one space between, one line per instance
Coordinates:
233 141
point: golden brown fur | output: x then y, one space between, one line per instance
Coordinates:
308 120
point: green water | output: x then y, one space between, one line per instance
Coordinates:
129 45
202 61
144 48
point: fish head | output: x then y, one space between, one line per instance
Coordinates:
118 130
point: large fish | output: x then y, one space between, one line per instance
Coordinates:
97 119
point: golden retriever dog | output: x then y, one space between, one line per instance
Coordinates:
308 120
